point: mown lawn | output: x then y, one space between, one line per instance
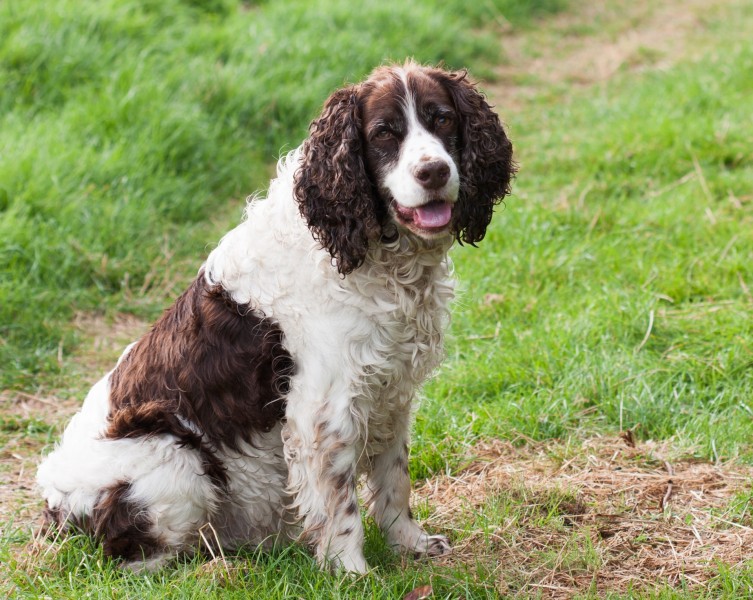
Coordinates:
615 289
126 126
613 292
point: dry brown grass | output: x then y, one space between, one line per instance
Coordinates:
19 454
610 515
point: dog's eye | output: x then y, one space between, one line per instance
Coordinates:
384 134
442 120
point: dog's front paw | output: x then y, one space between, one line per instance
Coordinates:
408 536
437 545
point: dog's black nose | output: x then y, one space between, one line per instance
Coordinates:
433 174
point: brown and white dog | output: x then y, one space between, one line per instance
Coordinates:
290 365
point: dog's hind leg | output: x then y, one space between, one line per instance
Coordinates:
144 499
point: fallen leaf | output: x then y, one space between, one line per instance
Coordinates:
419 593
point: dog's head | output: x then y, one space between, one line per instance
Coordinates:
415 146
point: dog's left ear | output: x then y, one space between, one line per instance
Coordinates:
486 165
334 193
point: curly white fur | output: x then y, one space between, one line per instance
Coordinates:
361 344
378 333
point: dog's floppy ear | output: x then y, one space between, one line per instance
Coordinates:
486 165
334 193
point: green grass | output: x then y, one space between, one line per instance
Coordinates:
124 126
627 205
76 566
131 131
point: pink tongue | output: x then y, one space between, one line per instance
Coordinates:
432 215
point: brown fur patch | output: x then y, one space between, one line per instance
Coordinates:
53 519
123 527
207 361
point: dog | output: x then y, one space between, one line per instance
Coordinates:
289 367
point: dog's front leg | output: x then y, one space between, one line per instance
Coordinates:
322 445
388 495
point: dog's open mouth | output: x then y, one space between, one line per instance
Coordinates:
432 217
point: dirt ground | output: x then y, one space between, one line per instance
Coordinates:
589 46
105 340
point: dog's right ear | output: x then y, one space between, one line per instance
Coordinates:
334 193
